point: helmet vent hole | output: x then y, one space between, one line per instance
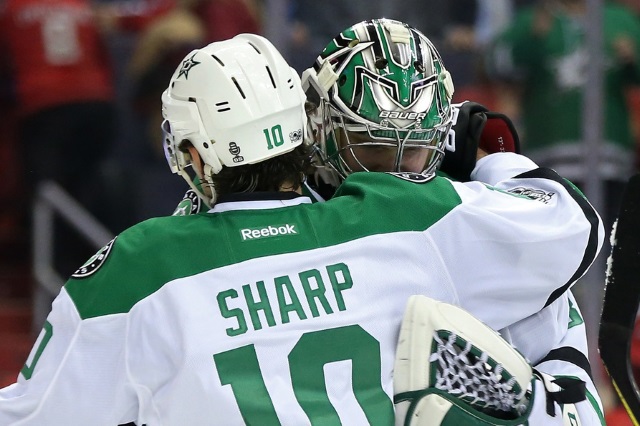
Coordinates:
342 80
223 106
354 43
255 48
381 63
271 77
238 87
205 145
218 60
290 84
419 66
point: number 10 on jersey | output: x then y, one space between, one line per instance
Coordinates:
240 369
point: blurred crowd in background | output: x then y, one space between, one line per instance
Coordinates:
81 82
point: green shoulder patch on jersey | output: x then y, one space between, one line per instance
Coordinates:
147 256
160 250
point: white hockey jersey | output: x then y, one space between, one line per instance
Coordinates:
554 339
271 310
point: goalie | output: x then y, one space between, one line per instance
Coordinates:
351 116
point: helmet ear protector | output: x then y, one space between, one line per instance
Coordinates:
237 102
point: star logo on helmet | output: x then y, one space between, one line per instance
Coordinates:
187 65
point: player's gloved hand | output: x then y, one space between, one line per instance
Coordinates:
474 126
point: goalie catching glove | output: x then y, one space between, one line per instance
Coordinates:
453 370
474 126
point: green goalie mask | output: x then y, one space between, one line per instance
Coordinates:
379 99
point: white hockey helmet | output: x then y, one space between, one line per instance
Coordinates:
237 101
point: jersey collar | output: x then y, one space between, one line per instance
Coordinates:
258 201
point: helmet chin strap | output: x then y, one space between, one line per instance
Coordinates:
208 172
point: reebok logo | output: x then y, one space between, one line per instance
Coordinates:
269 231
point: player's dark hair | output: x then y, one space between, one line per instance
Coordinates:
269 175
